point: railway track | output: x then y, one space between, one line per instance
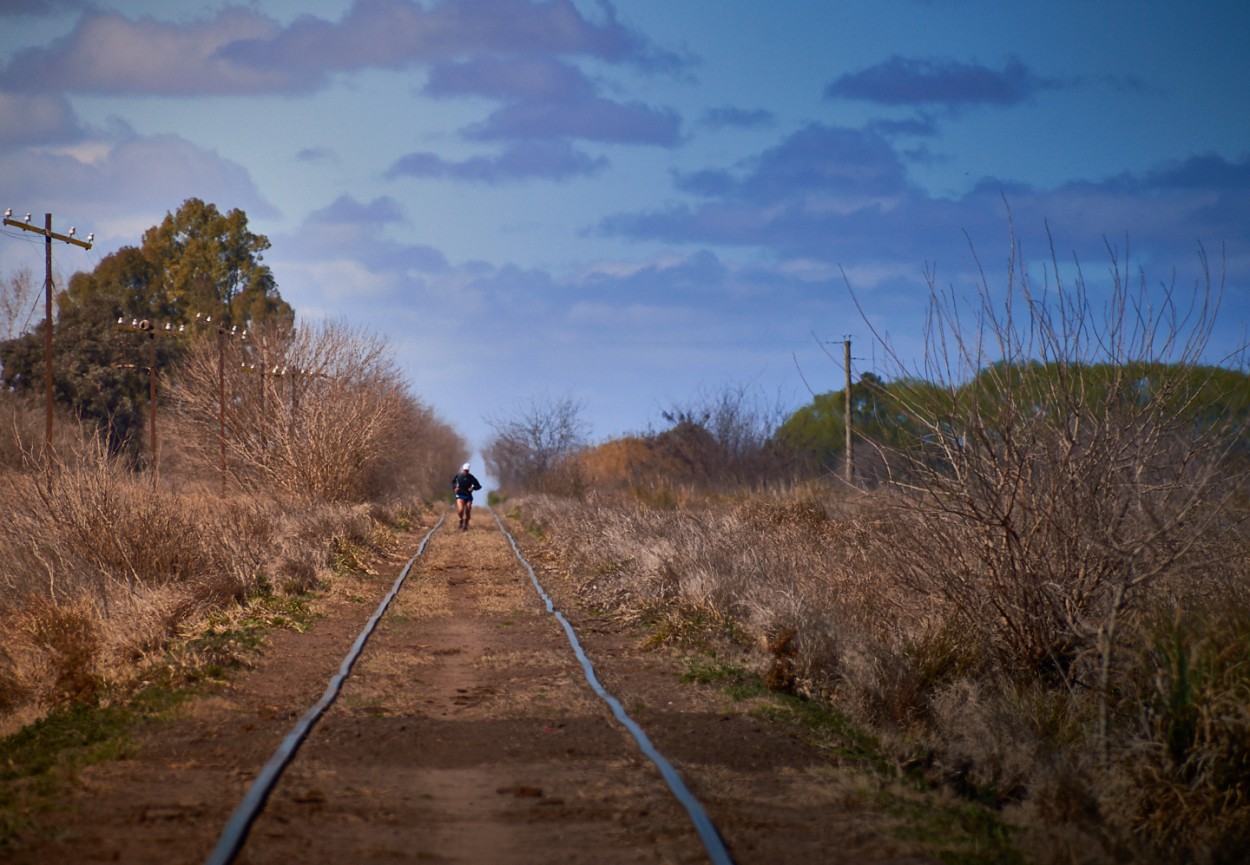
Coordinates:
446 578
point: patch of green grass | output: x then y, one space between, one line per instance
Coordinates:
738 682
953 832
828 729
36 761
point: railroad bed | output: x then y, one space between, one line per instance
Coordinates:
464 734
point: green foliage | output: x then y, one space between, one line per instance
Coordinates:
210 261
881 412
98 374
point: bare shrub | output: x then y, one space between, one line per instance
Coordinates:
717 441
320 413
1076 467
1063 464
17 301
533 449
720 439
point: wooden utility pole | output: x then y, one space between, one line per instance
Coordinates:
221 402
149 328
48 237
850 454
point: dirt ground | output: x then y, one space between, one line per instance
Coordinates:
467 733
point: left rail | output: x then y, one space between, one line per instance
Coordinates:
240 823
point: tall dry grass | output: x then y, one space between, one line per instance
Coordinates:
104 568
803 587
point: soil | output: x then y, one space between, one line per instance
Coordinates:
467 733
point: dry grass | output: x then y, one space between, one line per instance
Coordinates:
104 569
802 584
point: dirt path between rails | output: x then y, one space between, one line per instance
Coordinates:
468 734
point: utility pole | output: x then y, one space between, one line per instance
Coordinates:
222 333
48 236
850 454
150 329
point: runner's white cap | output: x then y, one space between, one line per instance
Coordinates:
465 467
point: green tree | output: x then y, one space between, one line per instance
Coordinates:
817 432
211 262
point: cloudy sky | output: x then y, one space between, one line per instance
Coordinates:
634 202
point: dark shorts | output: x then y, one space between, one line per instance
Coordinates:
463 498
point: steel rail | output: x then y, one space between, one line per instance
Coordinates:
240 823
717 852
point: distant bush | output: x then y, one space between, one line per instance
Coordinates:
535 448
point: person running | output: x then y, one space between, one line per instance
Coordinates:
463 484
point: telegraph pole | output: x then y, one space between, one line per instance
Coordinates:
48 236
850 456
150 329
222 333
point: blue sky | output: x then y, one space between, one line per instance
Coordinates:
634 202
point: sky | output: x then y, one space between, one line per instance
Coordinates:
635 204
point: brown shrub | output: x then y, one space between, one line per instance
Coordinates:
806 585
69 641
319 413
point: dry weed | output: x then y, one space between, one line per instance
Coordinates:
812 588
106 569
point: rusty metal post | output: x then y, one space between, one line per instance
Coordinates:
152 396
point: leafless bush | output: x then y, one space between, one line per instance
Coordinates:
533 449
318 413
721 439
1063 467
17 296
